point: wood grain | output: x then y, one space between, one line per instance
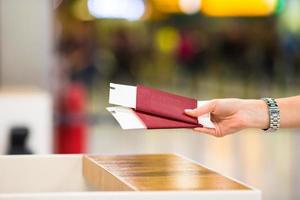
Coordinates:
152 173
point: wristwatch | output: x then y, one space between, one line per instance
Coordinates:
274 114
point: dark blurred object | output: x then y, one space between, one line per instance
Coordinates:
122 49
17 141
72 124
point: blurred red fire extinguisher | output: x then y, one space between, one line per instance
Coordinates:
71 126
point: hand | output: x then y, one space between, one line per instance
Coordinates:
232 115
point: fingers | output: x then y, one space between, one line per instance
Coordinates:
210 131
206 108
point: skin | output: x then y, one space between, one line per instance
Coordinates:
232 115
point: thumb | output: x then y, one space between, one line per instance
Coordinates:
207 107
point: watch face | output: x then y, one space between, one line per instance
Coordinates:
274 112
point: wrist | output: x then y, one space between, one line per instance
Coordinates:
258 116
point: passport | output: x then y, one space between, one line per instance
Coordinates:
141 107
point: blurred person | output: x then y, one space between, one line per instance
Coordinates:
191 55
79 47
124 55
291 48
271 53
233 48
232 115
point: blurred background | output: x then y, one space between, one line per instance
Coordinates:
57 58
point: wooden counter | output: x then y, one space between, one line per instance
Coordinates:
162 172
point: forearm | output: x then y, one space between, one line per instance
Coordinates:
289 112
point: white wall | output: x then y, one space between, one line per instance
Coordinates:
25 42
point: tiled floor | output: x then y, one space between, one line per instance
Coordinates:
269 162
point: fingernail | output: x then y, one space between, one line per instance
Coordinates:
188 110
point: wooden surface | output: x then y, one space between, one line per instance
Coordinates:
152 173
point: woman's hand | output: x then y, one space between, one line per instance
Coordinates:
232 115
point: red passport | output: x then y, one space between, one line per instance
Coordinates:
144 107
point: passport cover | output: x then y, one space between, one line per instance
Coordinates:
164 104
